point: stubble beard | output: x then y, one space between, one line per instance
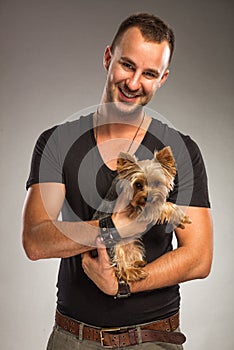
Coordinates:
123 109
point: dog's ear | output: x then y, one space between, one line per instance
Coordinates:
125 162
166 159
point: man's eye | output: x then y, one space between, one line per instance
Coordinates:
127 65
150 75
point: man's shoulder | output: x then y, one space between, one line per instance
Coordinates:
169 135
68 129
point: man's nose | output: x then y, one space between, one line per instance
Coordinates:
133 82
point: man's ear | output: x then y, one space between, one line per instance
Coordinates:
164 77
107 57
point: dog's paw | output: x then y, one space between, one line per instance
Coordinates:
134 273
184 220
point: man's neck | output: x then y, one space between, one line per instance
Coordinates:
110 113
116 125
118 136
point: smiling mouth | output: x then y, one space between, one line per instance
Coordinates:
128 94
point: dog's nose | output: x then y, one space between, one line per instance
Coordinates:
149 198
142 200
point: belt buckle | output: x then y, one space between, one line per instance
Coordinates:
102 338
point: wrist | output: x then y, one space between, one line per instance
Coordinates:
110 287
109 235
123 290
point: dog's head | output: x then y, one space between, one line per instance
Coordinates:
147 181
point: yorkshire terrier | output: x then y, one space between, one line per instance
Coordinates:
146 185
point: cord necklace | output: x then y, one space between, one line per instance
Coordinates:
134 137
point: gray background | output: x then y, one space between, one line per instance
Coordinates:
51 67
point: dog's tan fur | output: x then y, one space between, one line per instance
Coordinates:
146 184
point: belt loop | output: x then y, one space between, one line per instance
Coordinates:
81 326
139 337
172 322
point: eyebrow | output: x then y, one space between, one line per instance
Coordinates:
151 70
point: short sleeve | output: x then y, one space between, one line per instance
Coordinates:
200 196
191 183
46 164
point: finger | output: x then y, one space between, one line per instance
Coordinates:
103 256
99 243
86 260
84 256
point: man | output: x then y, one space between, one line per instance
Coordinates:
72 169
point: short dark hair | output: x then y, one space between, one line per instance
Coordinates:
152 29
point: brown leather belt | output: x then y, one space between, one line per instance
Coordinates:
159 331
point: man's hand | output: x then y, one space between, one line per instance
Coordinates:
127 227
100 271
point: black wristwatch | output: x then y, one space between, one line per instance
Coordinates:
123 290
108 232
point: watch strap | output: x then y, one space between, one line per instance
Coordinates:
108 232
123 290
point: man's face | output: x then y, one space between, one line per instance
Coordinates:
136 69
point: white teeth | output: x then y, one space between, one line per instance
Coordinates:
127 94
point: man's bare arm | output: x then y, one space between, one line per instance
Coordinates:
46 237
191 260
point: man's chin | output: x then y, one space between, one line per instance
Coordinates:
127 108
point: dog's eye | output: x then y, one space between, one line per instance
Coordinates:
156 183
138 185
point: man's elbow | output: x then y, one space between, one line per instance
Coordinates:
31 254
204 273
204 269
30 250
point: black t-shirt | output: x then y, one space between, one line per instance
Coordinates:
68 154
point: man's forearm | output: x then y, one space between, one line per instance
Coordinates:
191 260
58 239
174 267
